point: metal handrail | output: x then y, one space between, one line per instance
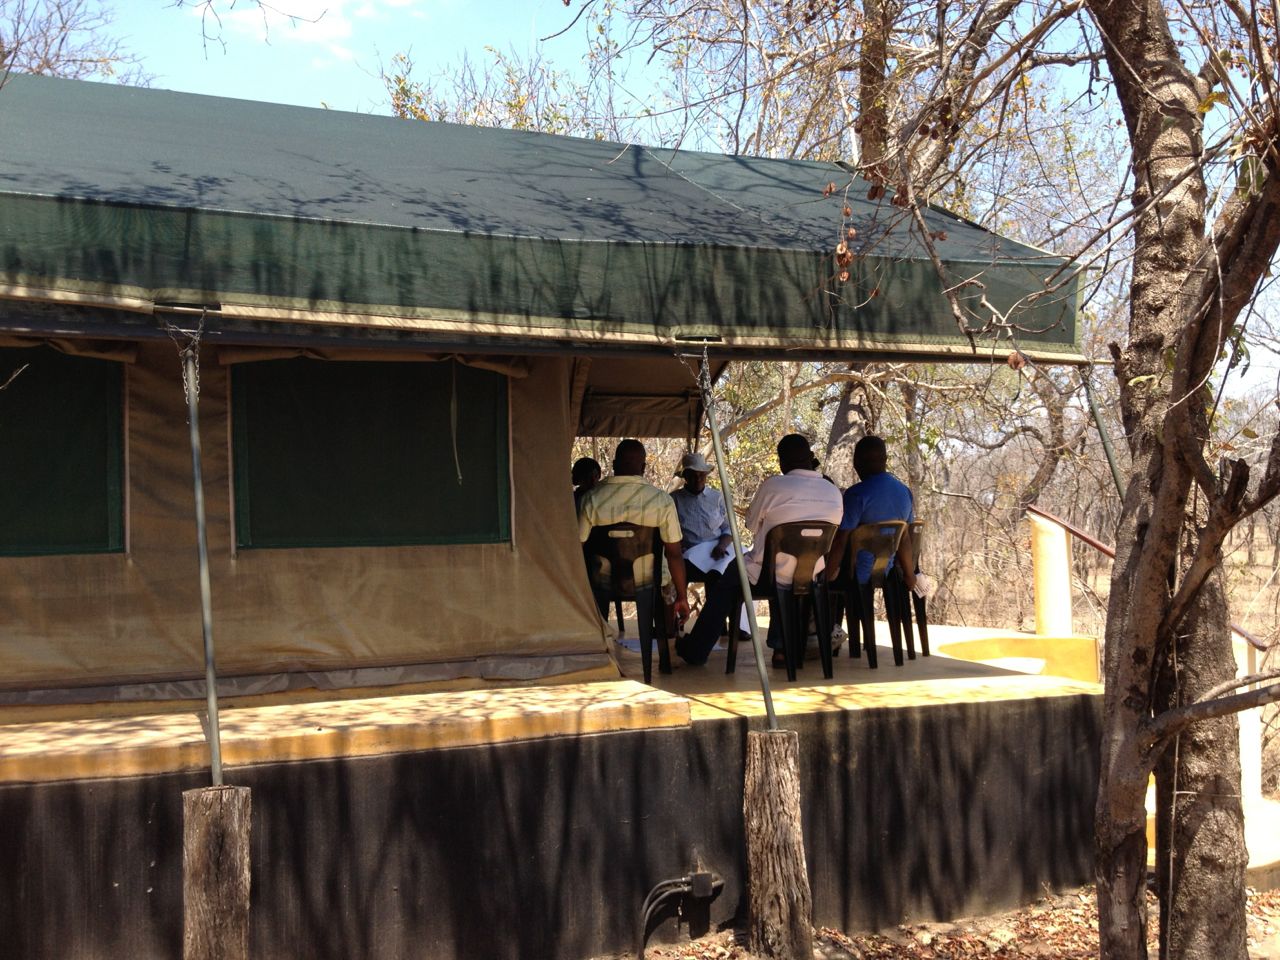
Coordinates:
1107 551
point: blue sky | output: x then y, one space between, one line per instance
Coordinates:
331 55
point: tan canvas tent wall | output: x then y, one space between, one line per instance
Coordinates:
326 616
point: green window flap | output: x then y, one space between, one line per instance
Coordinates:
358 454
61 454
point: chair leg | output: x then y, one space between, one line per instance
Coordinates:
735 618
890 595
801 611
661 634
617 608
822 616
904 614
782 609
922 623
853 620
644 626
868 621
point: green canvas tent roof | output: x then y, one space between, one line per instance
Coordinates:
307 223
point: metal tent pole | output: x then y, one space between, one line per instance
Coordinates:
1087 378
704 380
190 372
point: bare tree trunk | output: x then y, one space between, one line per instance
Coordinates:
1121 852
1164 132
215 868
1200 870
849 423
1055 440
873 88
789 373
911 416
781 909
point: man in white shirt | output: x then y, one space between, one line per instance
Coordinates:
799 493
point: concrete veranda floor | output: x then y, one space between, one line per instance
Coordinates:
924 678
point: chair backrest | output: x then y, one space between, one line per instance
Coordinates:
878 539
806 540
917 541
621 545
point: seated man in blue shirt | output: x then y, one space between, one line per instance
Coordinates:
879 497
702 516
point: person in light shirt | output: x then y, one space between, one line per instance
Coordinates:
798 493
626 497
703 518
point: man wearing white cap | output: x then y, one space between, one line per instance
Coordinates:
703 518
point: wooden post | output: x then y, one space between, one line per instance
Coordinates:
215 873
781 907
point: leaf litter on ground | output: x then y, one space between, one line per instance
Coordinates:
1060 927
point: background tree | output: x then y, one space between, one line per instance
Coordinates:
64 38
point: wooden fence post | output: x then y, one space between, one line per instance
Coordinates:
781 906
215 873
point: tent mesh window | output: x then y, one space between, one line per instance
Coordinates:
61 454
335 453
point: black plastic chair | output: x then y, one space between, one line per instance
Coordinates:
907 600
620 545
881 541
807 541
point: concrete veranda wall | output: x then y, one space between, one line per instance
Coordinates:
546 848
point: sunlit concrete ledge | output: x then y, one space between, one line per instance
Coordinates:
175 742
898 694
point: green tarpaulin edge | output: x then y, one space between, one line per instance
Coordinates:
357 274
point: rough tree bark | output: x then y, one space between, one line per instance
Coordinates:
215 873
852 420
781 908
1159 98
1201 858
911 418
1187 289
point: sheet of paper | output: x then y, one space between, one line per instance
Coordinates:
700 556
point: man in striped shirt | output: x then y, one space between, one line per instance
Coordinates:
626 497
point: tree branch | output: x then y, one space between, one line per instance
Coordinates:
1235 683
1172 722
